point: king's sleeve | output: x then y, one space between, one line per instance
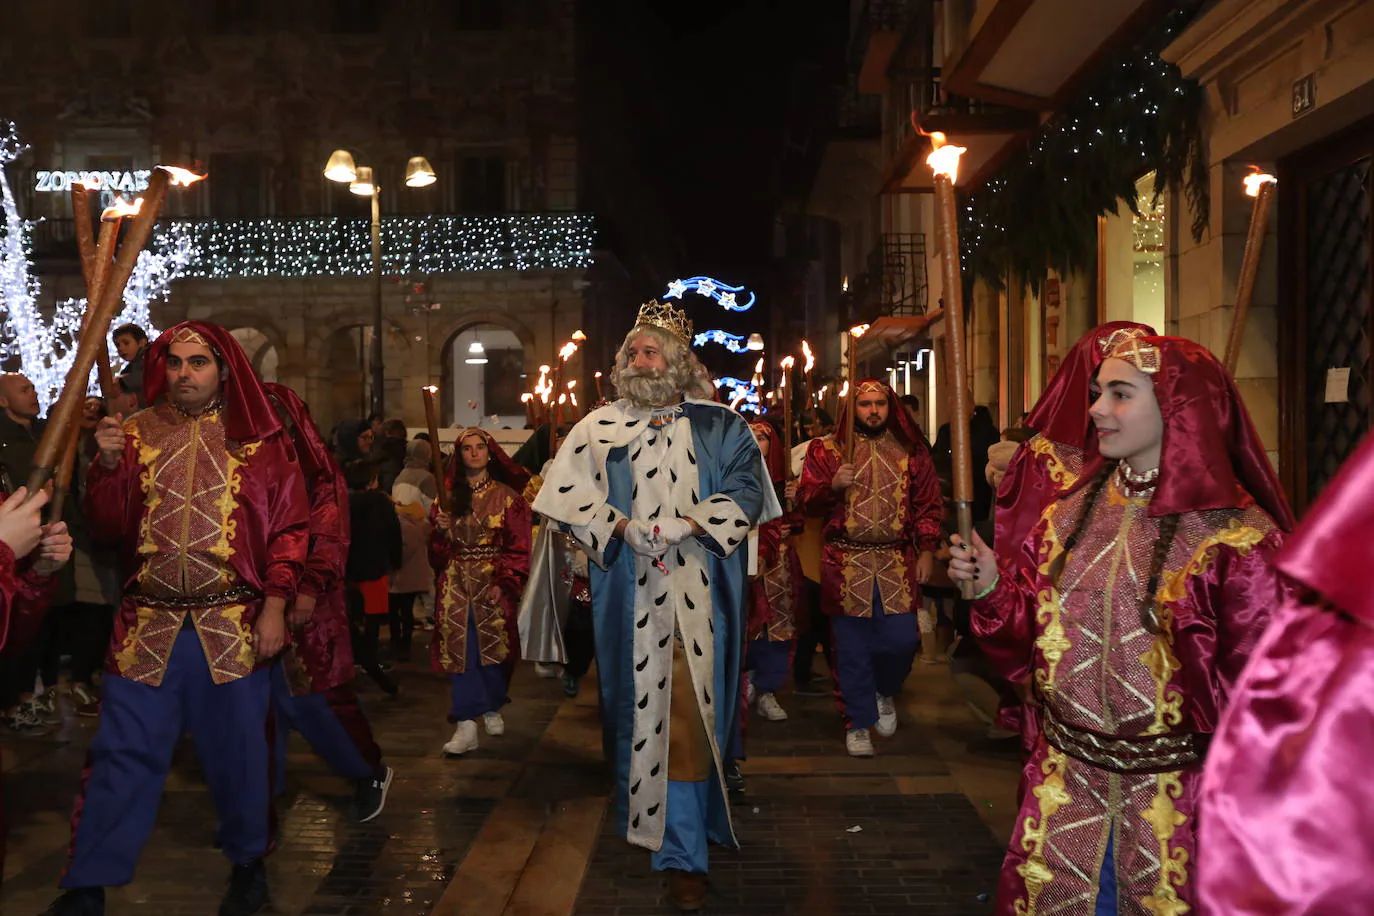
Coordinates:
575 494
738 503
288 522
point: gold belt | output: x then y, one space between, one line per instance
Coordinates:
847 544
482 552
1135 754
240 594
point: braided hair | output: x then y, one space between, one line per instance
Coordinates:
1149 611
460 496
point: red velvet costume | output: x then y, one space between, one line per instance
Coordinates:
211 506
1124 730
491 546
1290 806
874 532
775 592
321 656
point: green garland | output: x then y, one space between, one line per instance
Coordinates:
1041 210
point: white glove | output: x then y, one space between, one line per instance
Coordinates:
674 530
640 538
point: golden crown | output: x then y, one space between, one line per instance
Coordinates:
662 315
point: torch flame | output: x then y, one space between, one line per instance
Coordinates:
544 370
568 350
758 366
432 389
788 362
181 178
526 398
597 374
572 384
562 399
943 158
810 359
1256 180
578 336
121 208
858 330
844 389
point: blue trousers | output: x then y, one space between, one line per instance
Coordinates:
132 752
480 689
770 662
684 828
1106 881
314 717
872 657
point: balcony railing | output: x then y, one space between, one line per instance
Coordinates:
895 281
325 246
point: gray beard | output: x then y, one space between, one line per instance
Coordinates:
648 389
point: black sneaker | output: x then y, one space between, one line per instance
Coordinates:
734 779
370 797
247 893
569 685
79 901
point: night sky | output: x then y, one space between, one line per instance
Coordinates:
723 101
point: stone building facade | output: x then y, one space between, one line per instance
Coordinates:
258 95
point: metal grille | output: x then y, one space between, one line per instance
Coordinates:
1338 316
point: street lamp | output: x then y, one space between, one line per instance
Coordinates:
419 174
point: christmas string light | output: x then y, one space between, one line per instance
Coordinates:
743 396
333 246
45 349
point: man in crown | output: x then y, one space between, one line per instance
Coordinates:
880 499
202 494
661 488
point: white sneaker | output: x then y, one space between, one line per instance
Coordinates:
887 717
464 739
748 690
857 742
547 669
770 710
494 724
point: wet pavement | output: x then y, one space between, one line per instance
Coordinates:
520 827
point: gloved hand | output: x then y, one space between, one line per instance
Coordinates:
640 538
674 530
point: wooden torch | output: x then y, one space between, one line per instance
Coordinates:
1260 186
785 392
435 459
558 395
944 162
66 412
851 387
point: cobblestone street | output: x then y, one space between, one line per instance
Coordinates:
519 826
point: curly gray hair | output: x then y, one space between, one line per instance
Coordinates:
685 374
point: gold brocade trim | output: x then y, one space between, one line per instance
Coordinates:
448 600
1164 818
1052 642
1054 468
1051 795
1160 658
227 504
226 640
147 458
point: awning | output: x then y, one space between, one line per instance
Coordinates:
891 332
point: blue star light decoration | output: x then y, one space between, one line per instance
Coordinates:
746 393
728 296
735 343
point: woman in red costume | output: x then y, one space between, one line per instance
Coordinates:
1139 596
482 555
1290 806
775 591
